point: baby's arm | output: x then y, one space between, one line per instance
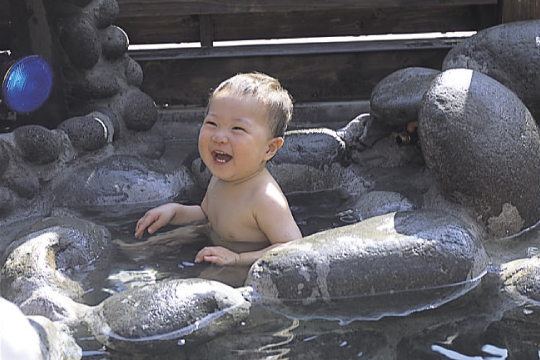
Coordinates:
172 213
222 256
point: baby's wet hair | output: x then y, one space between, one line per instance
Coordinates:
265 89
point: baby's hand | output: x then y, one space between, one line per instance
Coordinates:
217 255
155 219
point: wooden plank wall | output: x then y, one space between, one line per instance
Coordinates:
315 73
516 10
180 21
312 73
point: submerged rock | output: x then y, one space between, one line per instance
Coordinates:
509 54
483 148
167 316
375 203
522 278
393 264
298 178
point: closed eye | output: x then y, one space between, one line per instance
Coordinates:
209 122
239 128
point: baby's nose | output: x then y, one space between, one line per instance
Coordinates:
220 137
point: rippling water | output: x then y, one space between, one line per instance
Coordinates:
479 325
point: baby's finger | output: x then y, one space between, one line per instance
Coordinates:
200 256
142 224
214 259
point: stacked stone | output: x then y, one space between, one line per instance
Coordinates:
100 76
102 90
476 123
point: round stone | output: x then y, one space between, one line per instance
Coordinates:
138 110
86 132
134 73
395 100
509 53
37 144
167 316
482 146
81 42
114 42
393 264
106 12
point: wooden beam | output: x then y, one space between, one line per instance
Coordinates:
132 8
295 49
517 10
311 24
311 74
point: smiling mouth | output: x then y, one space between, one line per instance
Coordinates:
221 157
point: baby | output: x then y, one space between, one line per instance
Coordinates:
244 127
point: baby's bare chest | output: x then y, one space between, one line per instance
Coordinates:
233 219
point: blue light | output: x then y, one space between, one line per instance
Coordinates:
27 84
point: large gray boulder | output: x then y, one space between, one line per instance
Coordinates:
507 53
396 99
387 265
167 316
483 148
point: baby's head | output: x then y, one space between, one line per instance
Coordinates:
265 90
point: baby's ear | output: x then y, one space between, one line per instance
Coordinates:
273 146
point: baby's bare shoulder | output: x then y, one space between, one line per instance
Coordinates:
269 194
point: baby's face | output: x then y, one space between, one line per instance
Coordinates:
235 138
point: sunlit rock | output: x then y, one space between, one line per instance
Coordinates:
507 53
522 277
167 316
375 203
483 148
33 338
393 264
42 263
55 343
19 339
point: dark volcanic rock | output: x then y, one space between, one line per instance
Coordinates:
162 317
387 265
508 53
395 101
483 148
